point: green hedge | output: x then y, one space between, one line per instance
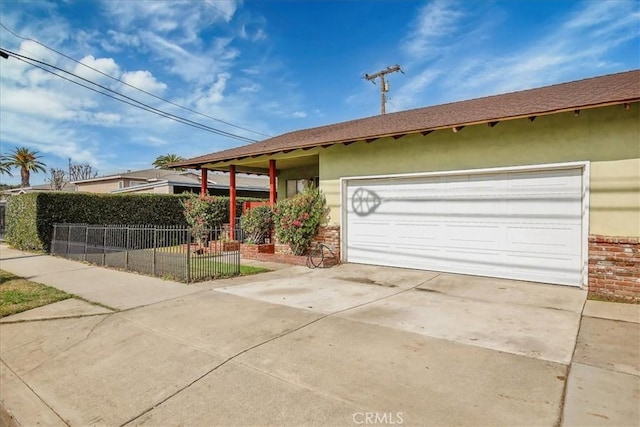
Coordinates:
30 217
20 220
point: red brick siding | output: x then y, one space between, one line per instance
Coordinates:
614 267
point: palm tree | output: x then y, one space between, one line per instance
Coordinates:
5 167
27 161
162 162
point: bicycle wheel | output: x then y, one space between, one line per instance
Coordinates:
315 257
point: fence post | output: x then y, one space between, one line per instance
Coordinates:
104 246
126 251
155 243
188 239
54 241
86 239
66 250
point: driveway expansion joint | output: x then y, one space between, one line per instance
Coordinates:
569 365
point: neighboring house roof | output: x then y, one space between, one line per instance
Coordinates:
583 94
67 187
144 174
183 183
161 177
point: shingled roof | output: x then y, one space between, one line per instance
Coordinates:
582 94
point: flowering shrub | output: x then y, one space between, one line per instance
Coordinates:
297 219
257 223
203 213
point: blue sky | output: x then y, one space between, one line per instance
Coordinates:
276 66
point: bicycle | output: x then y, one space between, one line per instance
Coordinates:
317 255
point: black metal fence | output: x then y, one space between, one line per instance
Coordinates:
165 251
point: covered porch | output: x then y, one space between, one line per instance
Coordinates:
288 173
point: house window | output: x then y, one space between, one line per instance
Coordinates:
295 186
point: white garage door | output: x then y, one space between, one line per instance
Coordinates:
519 225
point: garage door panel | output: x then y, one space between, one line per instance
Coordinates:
562 208
524 225
551 240
473 236
412 232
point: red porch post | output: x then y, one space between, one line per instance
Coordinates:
203 182
272 182
232 202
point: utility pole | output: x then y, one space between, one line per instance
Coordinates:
384 85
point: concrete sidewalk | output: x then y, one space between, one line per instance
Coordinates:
290 348
604 380
116 289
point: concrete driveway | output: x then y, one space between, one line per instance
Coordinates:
351 345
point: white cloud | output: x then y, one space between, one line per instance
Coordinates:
119 40
105 65
204 100
299 114
107 118
172 31
43 103
46 137
250 88
436 19
144 80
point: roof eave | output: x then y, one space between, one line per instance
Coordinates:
210 163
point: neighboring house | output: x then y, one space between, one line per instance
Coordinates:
161 181
540 185
66 187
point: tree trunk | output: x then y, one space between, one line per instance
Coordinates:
24 174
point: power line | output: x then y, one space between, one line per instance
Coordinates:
218 9
135 87
133 102
160 113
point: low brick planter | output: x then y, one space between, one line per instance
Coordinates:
281 258
230 246
249 248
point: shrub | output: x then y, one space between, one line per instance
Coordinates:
297 219
257 223
21 230
203 213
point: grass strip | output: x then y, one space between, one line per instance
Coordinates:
18 294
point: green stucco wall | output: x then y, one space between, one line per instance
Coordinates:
608 137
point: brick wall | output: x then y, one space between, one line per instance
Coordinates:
614 267
330 236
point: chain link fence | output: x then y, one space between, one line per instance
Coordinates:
165 251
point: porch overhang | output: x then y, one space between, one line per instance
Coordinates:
259 165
